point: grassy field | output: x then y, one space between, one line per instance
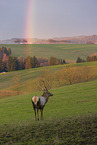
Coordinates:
26 80
69 52
69 131
73 100
69 117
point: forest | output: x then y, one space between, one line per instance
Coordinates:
10 63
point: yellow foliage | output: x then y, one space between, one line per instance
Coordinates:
70 75
67 75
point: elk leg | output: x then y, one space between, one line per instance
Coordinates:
37 114
41 114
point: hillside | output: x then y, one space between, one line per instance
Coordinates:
80 39
69 117
69 52
26 81
78 99
61 40
70 40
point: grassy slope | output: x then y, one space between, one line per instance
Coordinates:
27 78
54 132
63 115
63 122
78 99
70 52
7 80
69 116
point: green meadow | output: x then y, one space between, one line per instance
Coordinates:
70 52
70 116
74 100
26 81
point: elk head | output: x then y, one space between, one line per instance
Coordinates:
45 91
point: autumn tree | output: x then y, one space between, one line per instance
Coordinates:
91 58
9 51
0 65
28 63
31 62
55 61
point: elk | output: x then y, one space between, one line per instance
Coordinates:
39 102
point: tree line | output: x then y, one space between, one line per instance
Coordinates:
10 63
88 59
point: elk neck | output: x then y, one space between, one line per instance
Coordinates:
46 96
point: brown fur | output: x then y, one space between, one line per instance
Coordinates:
37 104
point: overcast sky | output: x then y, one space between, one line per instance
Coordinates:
49 18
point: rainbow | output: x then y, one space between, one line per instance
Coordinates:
29 25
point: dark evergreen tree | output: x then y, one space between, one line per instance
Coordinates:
34 62
79 60
12 64
21 63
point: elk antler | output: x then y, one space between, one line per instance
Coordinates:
40 87
49 85
44 84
